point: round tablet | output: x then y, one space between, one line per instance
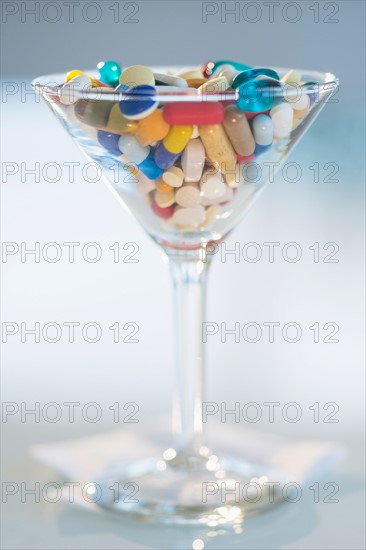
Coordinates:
137 75
189 217
139 102
173 176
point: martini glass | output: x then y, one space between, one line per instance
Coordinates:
189 482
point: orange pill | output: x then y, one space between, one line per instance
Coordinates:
162 186
152 128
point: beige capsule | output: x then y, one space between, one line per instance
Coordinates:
188 195
218 148
193 73
238 130
93 113
118 124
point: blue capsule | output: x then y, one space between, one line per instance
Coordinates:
259 149
164 158
109 141
150 169
258 95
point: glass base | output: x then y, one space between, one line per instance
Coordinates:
191 488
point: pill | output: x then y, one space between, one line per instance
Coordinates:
212 213
150 169
129 145
170 80
138 102
162 186
164 199
214 85
188 195
212 185
228 71
194 73
251 76
173 176
109 73
298 99
218 148
137 75
226 197
189 217
243 159
164 213
93 113
262 126
196 82
238 130
195 132
282 118
177 138
152 128
292 77
193 113
163 157
109 141
70 91
118 124
259 149
193 160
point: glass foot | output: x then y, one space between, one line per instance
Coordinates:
190 488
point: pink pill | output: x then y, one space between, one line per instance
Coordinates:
188 114
252 115
164 213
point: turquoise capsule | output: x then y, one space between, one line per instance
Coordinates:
109 73
250 74
212 66
258 95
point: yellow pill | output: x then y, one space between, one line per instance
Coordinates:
177 138
118 124
72 74
196 82
218 148
194 73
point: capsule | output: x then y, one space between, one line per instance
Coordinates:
69 92
238 130
164 213
177 138
218 85
93 113
163 158
197 113
218 148
129 145
282 117
109 141
152 128
118 124
263 130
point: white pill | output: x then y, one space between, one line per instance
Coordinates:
70 91
228 71
174 176
188 195
226 197
195 133
164 199
171 80
212 186
193 160
263 129
130 146
212 213
282 117
189 217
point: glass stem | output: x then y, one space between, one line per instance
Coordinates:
189 273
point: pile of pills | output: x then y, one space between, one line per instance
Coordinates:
186 136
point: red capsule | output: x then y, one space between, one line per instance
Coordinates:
164 213
244 160
189 114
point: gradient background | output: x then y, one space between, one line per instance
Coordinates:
105 292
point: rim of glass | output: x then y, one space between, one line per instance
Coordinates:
325 82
